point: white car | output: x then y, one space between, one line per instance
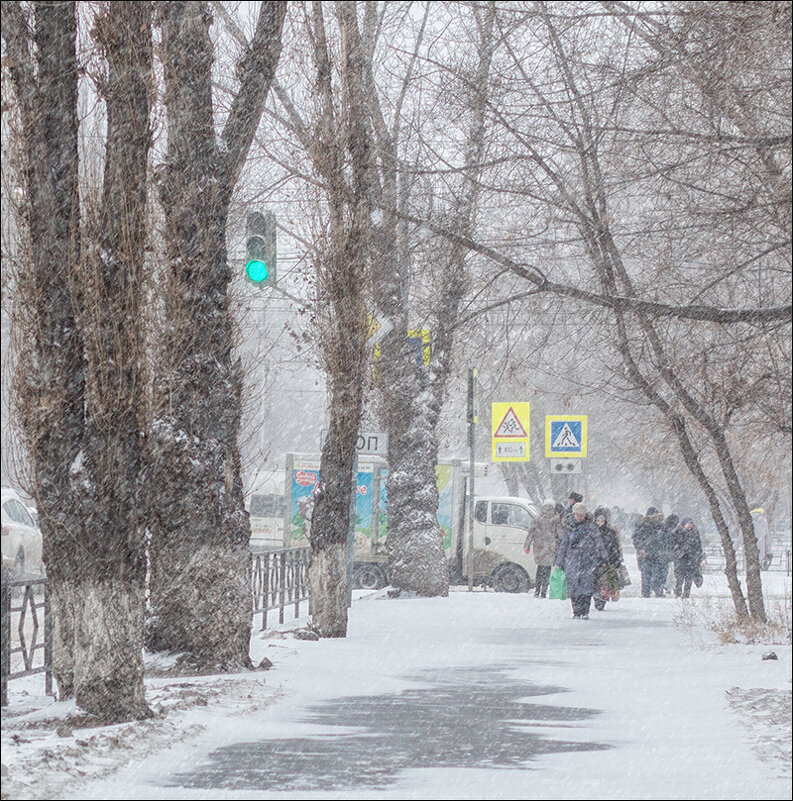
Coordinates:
21 537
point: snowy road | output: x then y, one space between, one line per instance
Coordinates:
483 695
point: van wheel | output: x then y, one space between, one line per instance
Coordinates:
511 578
368 577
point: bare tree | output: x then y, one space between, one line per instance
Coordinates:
50 394
342 271
86 447
411 393
200 562
578 161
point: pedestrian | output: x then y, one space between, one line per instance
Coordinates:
687 552
763 535
572 499
607 580
665 554
545 534
648 540
580 553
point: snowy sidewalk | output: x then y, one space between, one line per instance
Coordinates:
482 695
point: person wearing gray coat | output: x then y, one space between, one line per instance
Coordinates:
545 534
580 554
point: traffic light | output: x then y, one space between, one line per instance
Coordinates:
260 248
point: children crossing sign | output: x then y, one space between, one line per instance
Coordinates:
510 432
565 436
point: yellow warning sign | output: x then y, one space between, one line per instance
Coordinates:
510 431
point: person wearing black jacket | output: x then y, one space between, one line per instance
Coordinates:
607 585
687 553
648 540
666 556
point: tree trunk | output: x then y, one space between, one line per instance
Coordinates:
108 633
411 395
108 579
200 563
730 562
61 596
49 392
342 277
416 559
81 401
754 585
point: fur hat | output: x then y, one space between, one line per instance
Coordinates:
652 511
574 496
579 509
601 511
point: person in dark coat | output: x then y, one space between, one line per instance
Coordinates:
607 581
670 524
545 534
580 553
648 541
567 513
687 553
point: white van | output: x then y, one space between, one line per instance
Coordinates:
500 528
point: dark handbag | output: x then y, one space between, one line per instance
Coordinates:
697 576
625 578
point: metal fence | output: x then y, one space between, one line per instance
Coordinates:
26 631
279 581
715 562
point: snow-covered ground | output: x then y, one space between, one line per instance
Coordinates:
479 695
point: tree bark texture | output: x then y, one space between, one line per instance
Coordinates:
109 591
81 403
199 527
343 275
50 392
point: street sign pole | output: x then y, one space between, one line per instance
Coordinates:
472 416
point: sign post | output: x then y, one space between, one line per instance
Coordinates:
566 444
473 417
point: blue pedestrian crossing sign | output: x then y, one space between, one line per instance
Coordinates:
565 436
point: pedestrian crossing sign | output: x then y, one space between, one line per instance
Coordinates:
566 436
510 431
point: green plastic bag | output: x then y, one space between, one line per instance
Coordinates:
557 585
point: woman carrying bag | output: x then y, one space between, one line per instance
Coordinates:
545 534
580 554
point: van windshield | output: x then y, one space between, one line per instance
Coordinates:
510 514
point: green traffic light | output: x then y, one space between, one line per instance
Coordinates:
256 270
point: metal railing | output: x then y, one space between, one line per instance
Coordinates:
280 580
714 560
30 651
